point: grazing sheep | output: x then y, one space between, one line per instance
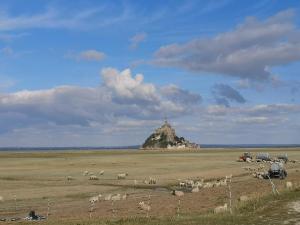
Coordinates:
189 183
217 184
94 199
208 185
152 180
289 185
243 198
144 206
116 197
122 176
177 193
182 184
69 178
85 173
101 172
221 209
1 199
124 197
223 182
93 177
107 197
195 189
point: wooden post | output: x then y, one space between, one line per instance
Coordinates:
15 198
48 208
149 198
91 209
178 208
230 196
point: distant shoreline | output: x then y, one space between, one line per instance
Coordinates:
136 147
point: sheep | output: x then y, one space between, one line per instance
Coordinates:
122 176
221 209
116 197
101 172
93 177
1 199
85 173
107 197
124 197
289 185
223 182
69 178
248 160
243 198
152 180
94 199
182 184
208 185
189 183
195 189
144 206
177 193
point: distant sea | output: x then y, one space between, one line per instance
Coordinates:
136 147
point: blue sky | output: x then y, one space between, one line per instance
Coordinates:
223 72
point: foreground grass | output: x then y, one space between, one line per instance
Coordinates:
267 210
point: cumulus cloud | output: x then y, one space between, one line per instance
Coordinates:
247 52
121 95
224 94
87 55
137 39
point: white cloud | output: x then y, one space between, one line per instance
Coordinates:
121 96
87 55
137 39
247 52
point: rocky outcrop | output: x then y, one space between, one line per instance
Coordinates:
166 138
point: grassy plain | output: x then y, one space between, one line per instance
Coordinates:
29 180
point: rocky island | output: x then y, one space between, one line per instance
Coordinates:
166 138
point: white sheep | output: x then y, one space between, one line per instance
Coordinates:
124 197
223 182
289 185
94 199
182 184
101 172
107 197
144 206
221 209
195 189
177 193
122 176
85 173
116 197
208 185
93 177
243 198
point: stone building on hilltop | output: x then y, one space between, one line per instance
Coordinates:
166 138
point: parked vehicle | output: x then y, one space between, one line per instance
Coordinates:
245 156
263 156
277 170
283 157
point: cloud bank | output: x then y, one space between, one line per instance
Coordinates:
247 52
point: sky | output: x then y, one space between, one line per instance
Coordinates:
107 73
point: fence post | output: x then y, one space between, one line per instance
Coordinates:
178 208
48 208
